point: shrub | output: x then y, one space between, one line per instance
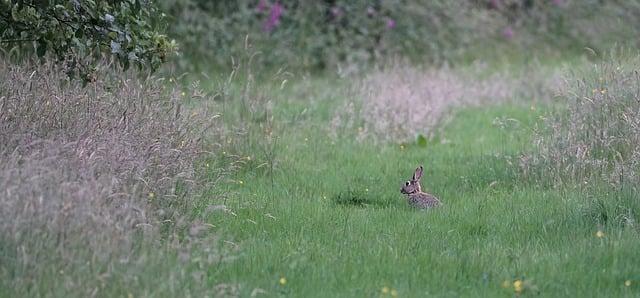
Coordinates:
79 31
323 34
348 35
97 185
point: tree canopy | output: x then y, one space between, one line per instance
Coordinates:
79 31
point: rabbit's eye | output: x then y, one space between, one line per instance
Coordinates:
407 183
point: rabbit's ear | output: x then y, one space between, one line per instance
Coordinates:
418 174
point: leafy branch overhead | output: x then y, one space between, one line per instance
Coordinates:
83 29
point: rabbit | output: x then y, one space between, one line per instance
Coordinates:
414 193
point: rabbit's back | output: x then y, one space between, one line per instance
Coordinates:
423 200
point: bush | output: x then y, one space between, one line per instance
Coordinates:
347 35
77 32
322 34
97 186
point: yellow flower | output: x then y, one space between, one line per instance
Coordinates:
183 93
627 283
401 147
506 284
152 195
394 293
517 285
603 91
283 281
385 290
599 234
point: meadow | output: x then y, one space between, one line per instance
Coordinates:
261 153
330 218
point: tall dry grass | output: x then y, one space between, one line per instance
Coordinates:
400 101
97 184
596 138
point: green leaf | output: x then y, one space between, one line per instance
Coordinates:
421 140
41 48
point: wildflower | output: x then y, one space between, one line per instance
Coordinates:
248 157
283 281
394 293
306 139
385 290
274 17
391 23
240 182
599 234
506 284
151 195
262 6
517 285
207 165
401 147
508 32
627 283
603 91
366 189
183 93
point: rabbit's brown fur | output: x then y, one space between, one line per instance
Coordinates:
414 193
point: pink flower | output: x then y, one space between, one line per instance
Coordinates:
262 6
508 32
274 17
391 23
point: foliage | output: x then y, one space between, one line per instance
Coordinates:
348 35
77 31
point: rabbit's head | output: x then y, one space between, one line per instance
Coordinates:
413 185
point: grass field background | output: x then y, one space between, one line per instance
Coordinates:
331 219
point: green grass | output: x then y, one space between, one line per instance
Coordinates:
332 221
